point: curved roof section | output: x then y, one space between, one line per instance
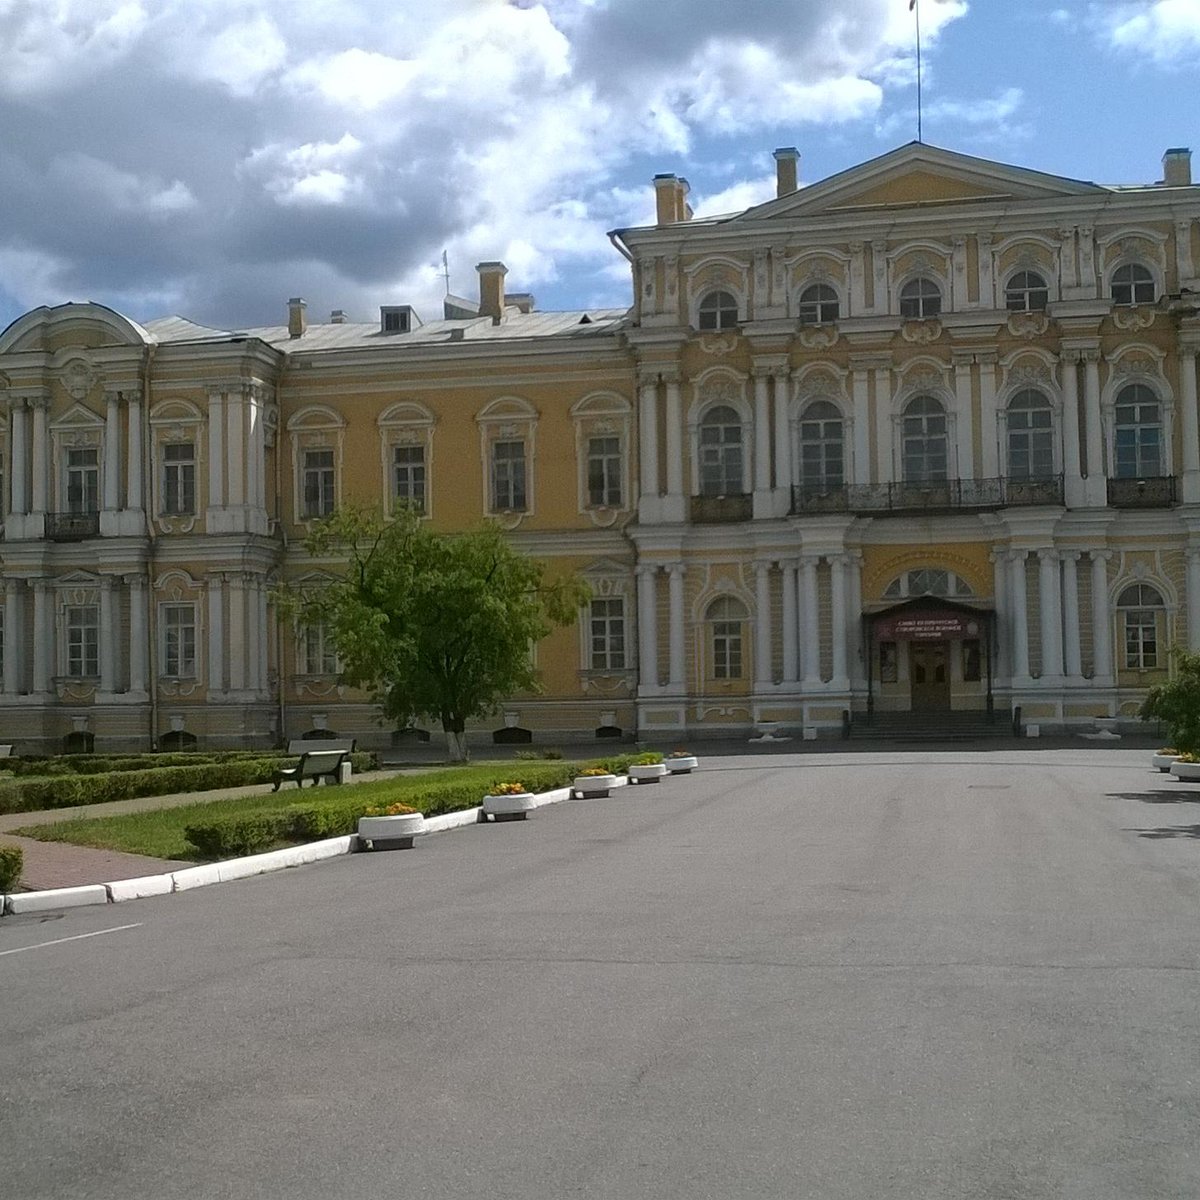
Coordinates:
41 321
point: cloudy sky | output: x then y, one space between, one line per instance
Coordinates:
214 157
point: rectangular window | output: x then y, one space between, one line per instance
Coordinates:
508 477
727 649
889 660
1141 639
83 481
317 483
972 660
179 641
179 479
408 476
607 635
604 472
317 655
83 641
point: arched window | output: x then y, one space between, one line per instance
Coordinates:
726 634
721 452
1132 284
1143 618
1026 291
718 310
928 581
818 305
1030 436
1138 450
925 445
920 298
822 446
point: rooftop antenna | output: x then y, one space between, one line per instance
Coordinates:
914 6
445 271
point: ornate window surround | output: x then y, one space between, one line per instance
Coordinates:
602 414
77 429
1031 369
77 589
609 580
811 383
315 427
924 377
1138 362
1141 247
1049 265
405 423
715 387
801 278
503 419
176 420
932 261
717 273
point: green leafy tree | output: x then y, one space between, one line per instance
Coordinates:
434 625
1177 703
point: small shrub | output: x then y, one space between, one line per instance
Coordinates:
593 772
680 754
1187 758
1168 750
12 859
648 759
507 789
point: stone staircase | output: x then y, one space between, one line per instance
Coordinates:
930 726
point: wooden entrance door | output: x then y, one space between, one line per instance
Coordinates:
929 674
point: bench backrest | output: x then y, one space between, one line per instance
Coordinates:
300 746
6 752
319 762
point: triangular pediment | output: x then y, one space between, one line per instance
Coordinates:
917 175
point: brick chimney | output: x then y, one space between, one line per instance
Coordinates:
491 290
297 317
1177 167
670 199
787 170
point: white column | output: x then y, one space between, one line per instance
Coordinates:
1072 479
964 432
237 633
675 634
1097 486
648 436
648 626
790 629
112 452
762 626
858 667
216 449
235 448
216 634
783 436
20 453
861 472
1001 634
133 488
43 635
1193 605
1072 654
884 470
107 658
989 441
13 639
41 454
254 462
264 643
1020 617
1189 427
1102 655
810 652
138 633
1050 615
674 414
762 431
837 567
253 646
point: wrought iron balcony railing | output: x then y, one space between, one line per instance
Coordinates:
721 510
72 527
948 495
1142 493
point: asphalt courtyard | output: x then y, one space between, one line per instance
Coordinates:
902 975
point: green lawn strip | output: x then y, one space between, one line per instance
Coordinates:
160 833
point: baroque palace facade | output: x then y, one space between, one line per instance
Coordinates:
920 437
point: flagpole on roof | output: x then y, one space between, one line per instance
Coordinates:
914 6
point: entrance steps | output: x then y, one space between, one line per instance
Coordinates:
930 726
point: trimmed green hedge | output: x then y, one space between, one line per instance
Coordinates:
72 791
12 859
100 764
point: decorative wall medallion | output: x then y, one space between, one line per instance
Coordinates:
718 344
78 378
924 381
1028 324
1135 364
820 385
1133 318
818 337
721 391
921 333
1030 374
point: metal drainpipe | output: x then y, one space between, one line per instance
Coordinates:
151 607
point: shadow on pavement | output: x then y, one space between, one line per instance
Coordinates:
1170 831
1166 797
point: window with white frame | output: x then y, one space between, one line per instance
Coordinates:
717 310
721 452
317 483
408 476
178 640
178 479
1026 291
1138 433
82 625
822 447
83 480
1142 613
604 471
315 650
818 305
726 625
606 627
1132 284
509 474
920 299
928 581
924 441
1030 436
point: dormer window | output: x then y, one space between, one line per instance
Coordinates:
396 318
1132 284
718 310
920 299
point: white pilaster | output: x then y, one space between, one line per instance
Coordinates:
13 639
1193 605
253 630
1068 270
235 448
783 438
762 626
987 287
112 452
837 567
264 643
1050 615
958 266
883 425
41 454
762 443
810 650
647 626
138 633
43 635
858 279
1020 618
254 456
648 446
216 635
134 485
108 661
1072 653
790 628
861 385
19 485
964 433
216 449
237 633
858 671
1073 487
675 506
675 635
1002 634
879 277
1184 263
989 427
1189 428
1097 484
1102 650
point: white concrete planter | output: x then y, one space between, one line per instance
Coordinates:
1163 761
1182 770
593 786
682 766
391 833
647 773
508 808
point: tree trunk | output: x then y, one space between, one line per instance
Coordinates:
456 740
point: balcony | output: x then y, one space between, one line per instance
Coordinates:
1142 493
721 510
944 496
72 527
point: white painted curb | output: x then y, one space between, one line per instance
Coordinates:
136 889
72 897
